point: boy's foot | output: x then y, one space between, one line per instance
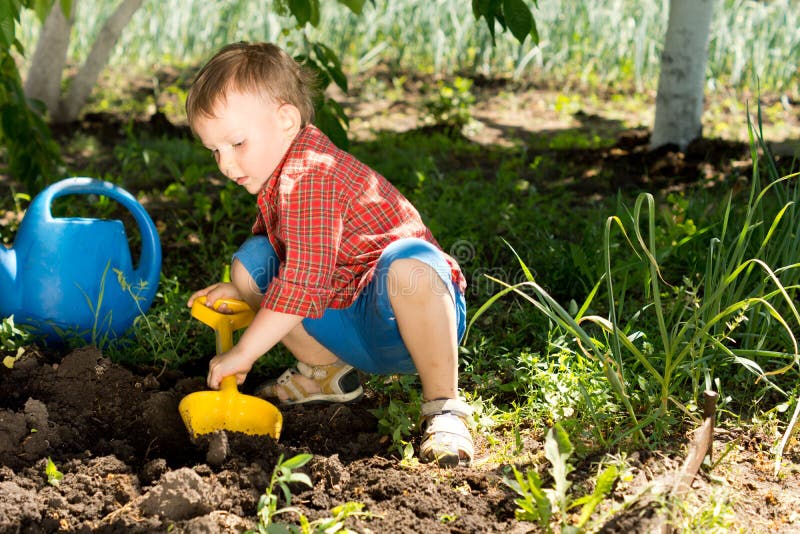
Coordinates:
337 382
446 439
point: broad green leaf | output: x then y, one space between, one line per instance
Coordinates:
519 18
534 31
302 478
330 62
66 7
348 508
301 9
42 8
480 8
534 505
338 111
543 506
9 12
605 480
314 18
296 461
557 449
603 485
356 6
329 123
489 10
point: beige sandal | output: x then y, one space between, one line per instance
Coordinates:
338 382
446 439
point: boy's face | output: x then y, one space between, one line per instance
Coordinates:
248 135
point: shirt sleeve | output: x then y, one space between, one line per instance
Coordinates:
311 226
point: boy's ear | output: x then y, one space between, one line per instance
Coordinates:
290 119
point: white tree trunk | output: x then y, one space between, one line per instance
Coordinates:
43 81
679 102
83 83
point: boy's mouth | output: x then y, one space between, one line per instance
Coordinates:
242 180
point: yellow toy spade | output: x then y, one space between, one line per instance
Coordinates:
205 412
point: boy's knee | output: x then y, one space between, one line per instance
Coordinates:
245 284
409 277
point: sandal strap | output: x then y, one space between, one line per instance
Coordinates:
296 391
329 377
338 382
448 423
318 372
441 406
446 440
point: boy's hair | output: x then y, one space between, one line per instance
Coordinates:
260 68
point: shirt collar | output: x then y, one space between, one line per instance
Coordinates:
289 160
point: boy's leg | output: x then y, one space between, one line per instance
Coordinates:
426 319
320 376
245 284
425 310
253 267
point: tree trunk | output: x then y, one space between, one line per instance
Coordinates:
679 102
43 81
83 83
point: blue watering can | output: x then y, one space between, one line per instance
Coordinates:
74 276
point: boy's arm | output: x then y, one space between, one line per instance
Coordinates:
266 330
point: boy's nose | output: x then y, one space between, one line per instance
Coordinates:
226 163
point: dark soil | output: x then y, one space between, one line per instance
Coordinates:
129 465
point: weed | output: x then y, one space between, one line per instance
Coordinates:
12 219
450 107
283 475
399 420
13 341
540 504
163 334
713 515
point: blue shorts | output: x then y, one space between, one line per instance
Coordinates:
365 335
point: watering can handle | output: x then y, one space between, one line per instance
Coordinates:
149 268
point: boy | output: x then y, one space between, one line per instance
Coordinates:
340 268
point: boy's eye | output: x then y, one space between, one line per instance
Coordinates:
237 145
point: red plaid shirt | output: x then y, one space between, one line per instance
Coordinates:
328 216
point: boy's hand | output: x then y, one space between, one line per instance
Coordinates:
229 363
221 290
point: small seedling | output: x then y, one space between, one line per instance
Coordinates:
447 518
282 476
54 476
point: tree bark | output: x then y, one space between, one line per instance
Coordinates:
679 102
83 83
43 81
